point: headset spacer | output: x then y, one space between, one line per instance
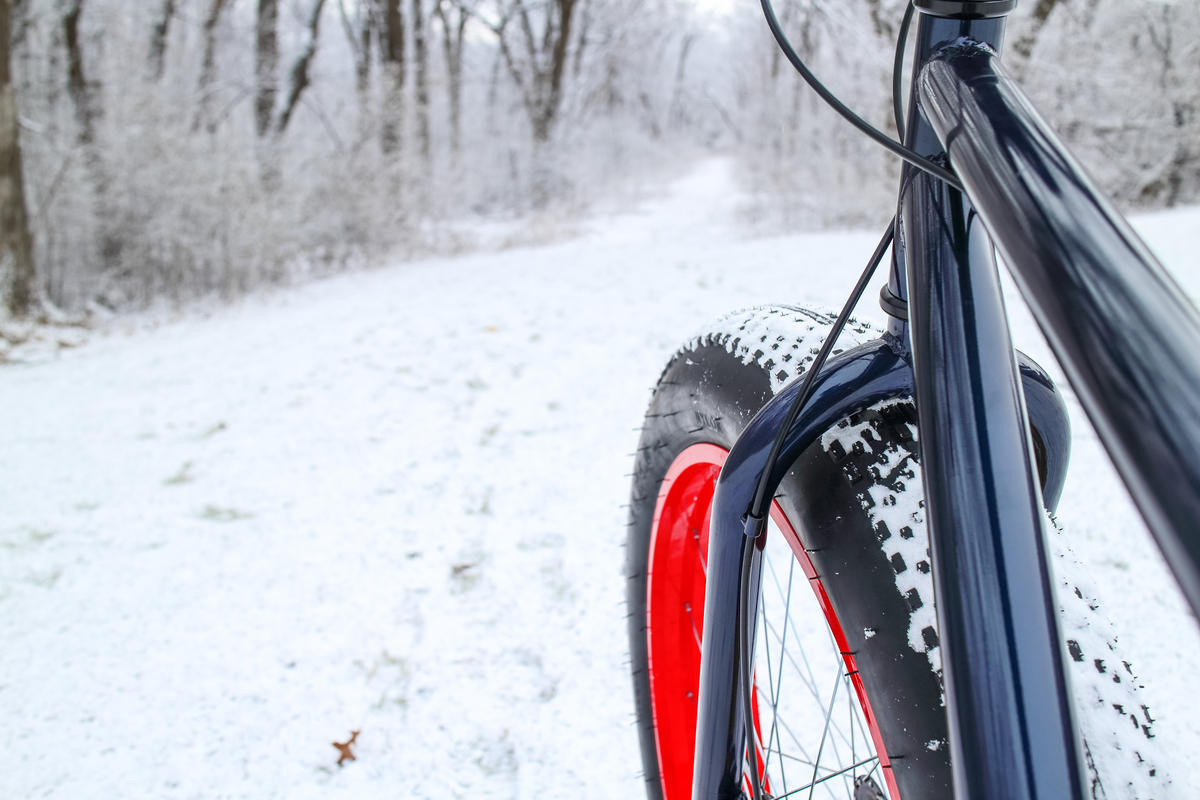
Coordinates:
893 305
966 9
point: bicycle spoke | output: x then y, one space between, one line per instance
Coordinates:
812 689
832 773
819 781
809 681
815 739
832 758
778 684
825 733
859 721
795 740
695 633
773 695
843 735
812 680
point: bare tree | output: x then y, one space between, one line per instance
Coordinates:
359 30
17 275
299 75
158 39
184 205
392 54
676 115
1024 44
208 66
85 98
1183 166
585 27
880 21
453 16
266 61
421 57
81 91
538 70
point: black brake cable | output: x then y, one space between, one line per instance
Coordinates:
756 519
878 136
757 515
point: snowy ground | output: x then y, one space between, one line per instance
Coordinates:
391 502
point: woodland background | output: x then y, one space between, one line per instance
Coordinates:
163 151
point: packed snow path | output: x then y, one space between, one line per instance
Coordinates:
391 502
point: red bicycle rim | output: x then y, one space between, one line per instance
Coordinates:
675 615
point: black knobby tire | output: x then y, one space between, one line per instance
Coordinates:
708 393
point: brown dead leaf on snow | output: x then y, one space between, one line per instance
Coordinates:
344 748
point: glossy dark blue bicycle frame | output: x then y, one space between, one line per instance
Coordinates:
1124 334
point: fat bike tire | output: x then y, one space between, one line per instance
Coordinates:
848 560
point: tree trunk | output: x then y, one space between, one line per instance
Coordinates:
208 67
558 62
266 61
879 18
1023 46
299 75
421 57
362 75
1181 170
77 85
361 30
84 97
676 116
581 47
540 83
16 245
454 18
158 39
393 68
358 35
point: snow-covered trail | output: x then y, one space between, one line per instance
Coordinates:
391 502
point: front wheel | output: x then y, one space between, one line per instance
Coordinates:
844 706
847 689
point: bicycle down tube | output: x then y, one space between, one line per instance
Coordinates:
1010 722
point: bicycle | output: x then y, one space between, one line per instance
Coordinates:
920 462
